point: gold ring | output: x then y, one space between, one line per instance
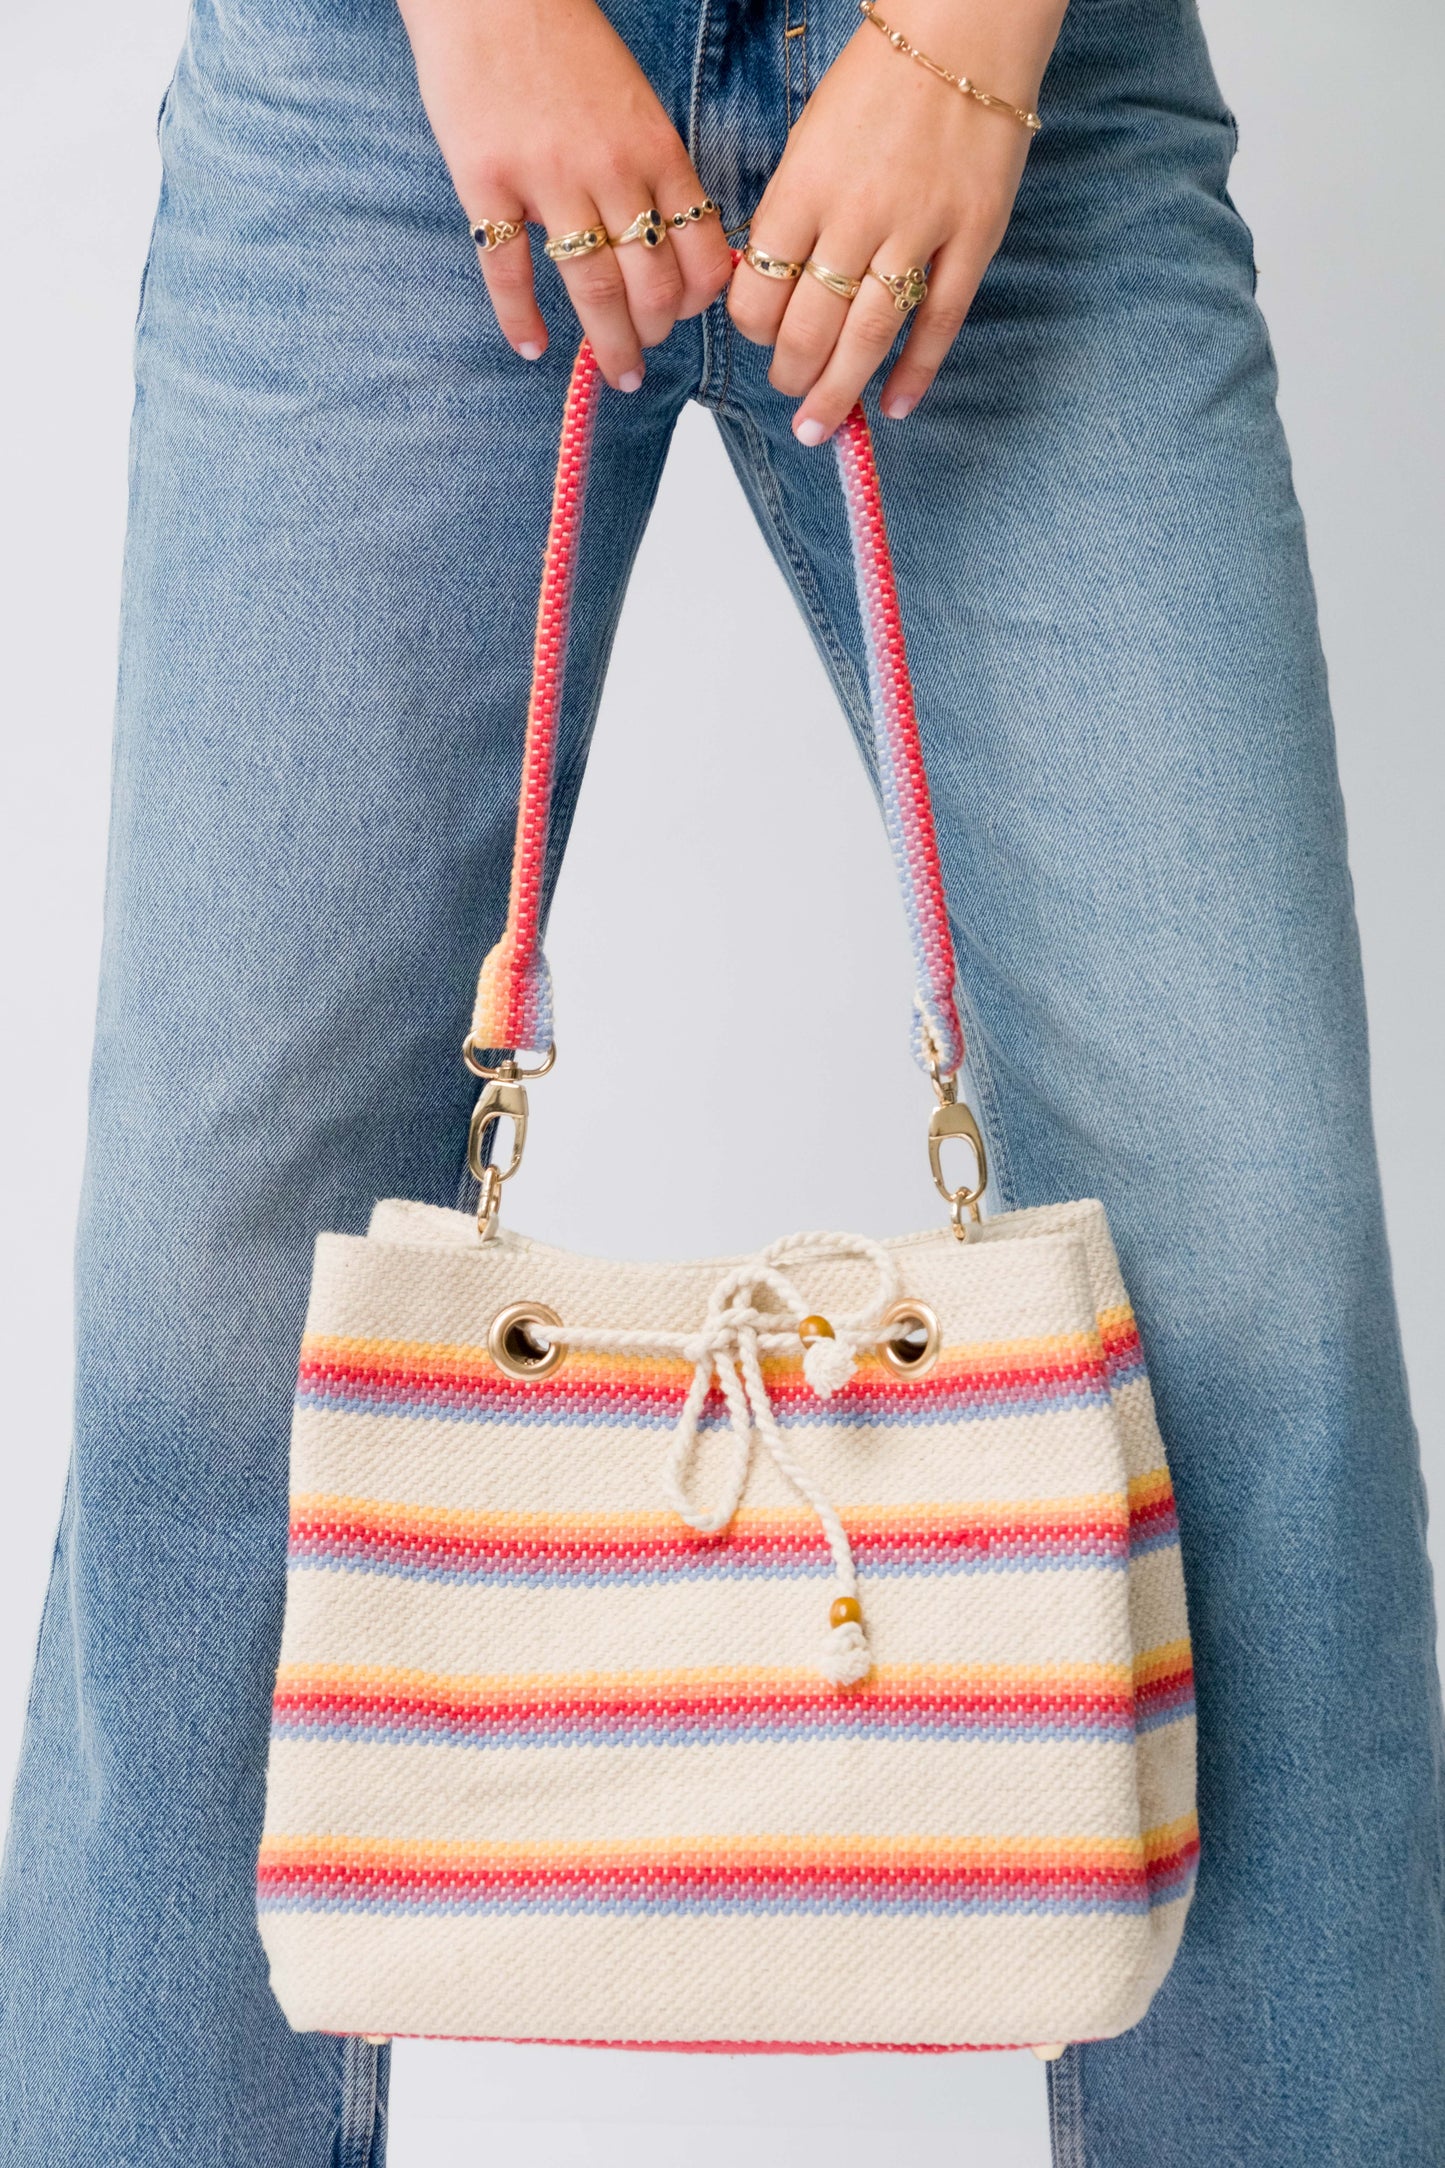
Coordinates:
495 232
586 241
649 227
772 267
908 287
695 211
837 282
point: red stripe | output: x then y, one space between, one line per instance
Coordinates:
658 1879
1173 1686
549 662
649 1708
1017 1380
539 1554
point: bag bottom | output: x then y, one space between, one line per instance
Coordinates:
714 2047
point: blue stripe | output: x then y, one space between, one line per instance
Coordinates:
582 1415
1107 1732
704 1570
642 1907
1163 1539
1169 1712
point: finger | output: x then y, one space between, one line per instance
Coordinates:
815 316
872 326
595 290
651 279
955 280
700 245
508 272
757 304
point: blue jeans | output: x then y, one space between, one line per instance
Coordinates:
340 487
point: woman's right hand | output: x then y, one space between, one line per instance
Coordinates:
542 113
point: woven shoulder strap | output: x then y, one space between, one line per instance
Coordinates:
514 995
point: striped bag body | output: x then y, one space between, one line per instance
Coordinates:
785 1651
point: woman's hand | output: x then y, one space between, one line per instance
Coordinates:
890 168
542 113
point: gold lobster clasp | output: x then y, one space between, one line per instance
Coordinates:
503 1099
952 1118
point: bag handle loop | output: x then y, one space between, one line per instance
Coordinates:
513 1007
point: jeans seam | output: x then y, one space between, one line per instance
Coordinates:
1066 2111
32 1699
988 1104
694 134
795 34
854 700
356 2147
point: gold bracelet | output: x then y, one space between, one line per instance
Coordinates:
900 44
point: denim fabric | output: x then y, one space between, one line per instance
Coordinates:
340 487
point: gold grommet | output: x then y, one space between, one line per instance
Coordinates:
910 1338
515 1350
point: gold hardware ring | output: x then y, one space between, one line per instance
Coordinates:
566 247
908 287
649 227
772 267
509 1070
837 282
489 233
694 213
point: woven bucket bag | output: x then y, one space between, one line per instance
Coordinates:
774 1652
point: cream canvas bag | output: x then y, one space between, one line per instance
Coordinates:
785 1651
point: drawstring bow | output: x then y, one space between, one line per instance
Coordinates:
728 1348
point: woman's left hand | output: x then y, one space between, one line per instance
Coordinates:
887 169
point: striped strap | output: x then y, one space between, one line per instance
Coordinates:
514 993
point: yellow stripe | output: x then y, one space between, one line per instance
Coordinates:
1161 1661
532 1686
1108 1507
1149 1489
1167 1837
780 1848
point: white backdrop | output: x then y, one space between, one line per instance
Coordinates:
1341 175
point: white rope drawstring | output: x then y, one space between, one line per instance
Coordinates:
729 1347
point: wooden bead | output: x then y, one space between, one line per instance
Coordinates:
815 1328
847 1611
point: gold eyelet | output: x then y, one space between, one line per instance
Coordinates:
913 1340
514 1349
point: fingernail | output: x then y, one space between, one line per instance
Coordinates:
530 350
899 407
809 432
632 381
